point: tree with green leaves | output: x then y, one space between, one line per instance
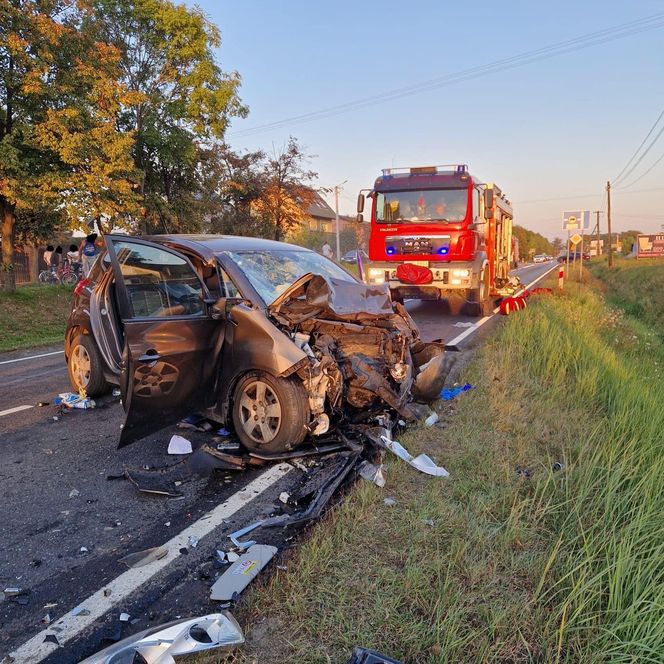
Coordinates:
59 146
185 100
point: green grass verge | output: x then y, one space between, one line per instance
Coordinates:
635 286
33 316
553 566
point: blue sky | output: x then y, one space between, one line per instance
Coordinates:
555 129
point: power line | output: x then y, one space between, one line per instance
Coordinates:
574 196
616 180
633 182
588 40
644 153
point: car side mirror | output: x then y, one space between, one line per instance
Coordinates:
488 213
360 203
488 198
220 308
359 218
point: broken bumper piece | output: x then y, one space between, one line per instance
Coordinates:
161 644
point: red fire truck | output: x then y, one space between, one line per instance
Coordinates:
438 232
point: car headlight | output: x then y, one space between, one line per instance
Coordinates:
376 275
461 274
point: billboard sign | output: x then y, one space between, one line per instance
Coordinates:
650 246
576 220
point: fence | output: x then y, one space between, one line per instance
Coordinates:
21 269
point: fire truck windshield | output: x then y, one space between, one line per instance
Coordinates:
432 205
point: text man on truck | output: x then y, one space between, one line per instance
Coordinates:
436 232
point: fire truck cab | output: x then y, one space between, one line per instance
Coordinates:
437 232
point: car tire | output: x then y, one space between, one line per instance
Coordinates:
85 367
270 415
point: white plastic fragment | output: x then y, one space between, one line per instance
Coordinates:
390 502
232 556
423 463
179 445
193 541
431 420
240 574
74 493
124 617
284 496
372 473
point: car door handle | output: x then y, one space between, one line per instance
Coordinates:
149 356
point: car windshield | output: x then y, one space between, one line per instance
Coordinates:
272 272
440 205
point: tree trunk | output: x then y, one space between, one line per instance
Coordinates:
32 251
8 218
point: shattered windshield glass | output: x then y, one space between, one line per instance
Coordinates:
272 272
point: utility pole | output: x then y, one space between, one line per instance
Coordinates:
337 189
608 220
599 251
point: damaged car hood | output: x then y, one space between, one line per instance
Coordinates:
365 351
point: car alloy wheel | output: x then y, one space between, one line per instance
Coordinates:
260 412
80 366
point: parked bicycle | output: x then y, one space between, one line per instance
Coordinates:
66 275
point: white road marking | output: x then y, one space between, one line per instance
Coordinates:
481 321
32 357
16 409
35 650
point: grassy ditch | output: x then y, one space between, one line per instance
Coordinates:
635 286
523 562
33 316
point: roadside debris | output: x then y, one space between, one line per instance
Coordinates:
74 493
124 617
231 556
80 611
179 445
72 400
284 497
141 558
242 572
372 473
422 462
463 324
366 656
450 393
162 644
390 502
558 465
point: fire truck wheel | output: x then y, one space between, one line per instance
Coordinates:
480 301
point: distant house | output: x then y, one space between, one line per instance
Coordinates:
322 215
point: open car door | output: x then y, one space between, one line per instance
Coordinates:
171 343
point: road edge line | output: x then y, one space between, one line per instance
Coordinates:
98 604
31 357
481 321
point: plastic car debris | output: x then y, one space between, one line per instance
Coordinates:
242 572
227 446
141 558
124 617
179 445
74 493
463 324
558 465
80 611
231 556
235 537
223 432
450 393
423 463
51 638
390 502
372 473
431 420
365 656
116 392
161 644
192 540
284 496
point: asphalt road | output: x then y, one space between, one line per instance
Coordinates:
64 525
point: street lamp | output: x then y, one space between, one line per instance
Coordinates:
337 189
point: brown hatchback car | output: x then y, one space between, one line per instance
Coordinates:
278 342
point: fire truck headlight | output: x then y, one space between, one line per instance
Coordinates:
376 275
461 274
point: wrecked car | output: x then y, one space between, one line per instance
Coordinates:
275 340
